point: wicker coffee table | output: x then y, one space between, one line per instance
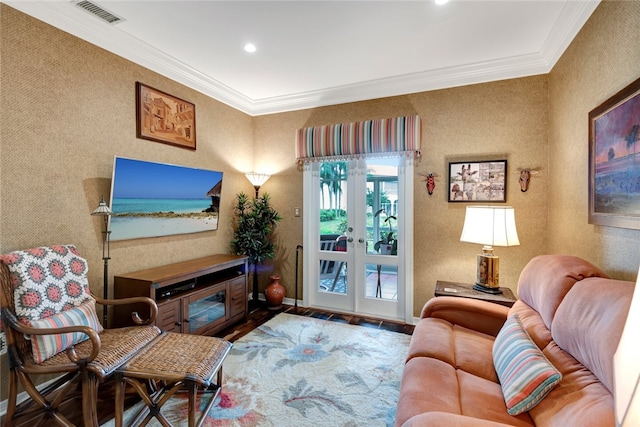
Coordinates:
170 363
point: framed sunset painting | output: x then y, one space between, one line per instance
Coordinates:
614 160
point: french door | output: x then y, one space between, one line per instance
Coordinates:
358 236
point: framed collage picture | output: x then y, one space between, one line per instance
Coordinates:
478 181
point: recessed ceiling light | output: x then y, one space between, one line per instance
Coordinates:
441 1
250 47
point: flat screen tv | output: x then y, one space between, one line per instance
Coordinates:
155 199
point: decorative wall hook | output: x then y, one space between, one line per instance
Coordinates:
525 177
430 180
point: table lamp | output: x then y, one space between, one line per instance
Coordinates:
626 367
489 226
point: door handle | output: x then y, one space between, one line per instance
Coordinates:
361 240
350 239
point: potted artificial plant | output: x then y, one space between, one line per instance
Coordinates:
388 243
255 221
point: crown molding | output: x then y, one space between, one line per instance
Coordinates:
571 20
514 67
73 21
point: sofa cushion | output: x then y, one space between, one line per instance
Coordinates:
431 385
45 346
427 385
533 324
449 420
482 399
526 376
458 346
432 338
591 336
546 279
579 400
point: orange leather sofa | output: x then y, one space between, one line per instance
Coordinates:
571 310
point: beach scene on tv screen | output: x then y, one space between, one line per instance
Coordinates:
154 199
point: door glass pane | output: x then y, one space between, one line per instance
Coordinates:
382 206
381 281
206 310
333 276
333 205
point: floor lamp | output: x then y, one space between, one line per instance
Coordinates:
104 211
257 180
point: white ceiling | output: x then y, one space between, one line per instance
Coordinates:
316 53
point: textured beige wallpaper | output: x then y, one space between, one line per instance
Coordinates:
603 59
68 108
506 119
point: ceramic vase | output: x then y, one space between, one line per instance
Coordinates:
274 293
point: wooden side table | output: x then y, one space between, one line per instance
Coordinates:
465 290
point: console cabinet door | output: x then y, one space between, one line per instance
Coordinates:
203 311
169 318
238 294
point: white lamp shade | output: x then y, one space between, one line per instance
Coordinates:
102 209
257 179
626 367
490 225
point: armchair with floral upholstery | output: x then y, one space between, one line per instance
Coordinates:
49 317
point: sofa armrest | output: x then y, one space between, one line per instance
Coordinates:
449 420
481 316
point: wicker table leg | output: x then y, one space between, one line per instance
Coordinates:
119 400
213 390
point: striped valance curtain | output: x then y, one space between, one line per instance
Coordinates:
398 135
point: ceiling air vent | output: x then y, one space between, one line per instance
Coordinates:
98 11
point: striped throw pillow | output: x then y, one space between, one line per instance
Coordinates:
45 346
526 375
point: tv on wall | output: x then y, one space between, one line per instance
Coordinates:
155 199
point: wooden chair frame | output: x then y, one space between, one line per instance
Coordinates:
82 367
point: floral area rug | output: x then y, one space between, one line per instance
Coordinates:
300 371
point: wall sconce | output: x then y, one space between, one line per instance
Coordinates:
104 211
489 226
626 369
257 180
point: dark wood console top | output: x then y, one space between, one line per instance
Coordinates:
185 270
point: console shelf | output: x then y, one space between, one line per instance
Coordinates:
200 296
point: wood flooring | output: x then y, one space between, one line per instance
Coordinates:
257 316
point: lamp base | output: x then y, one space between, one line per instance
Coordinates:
494 291
487 274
